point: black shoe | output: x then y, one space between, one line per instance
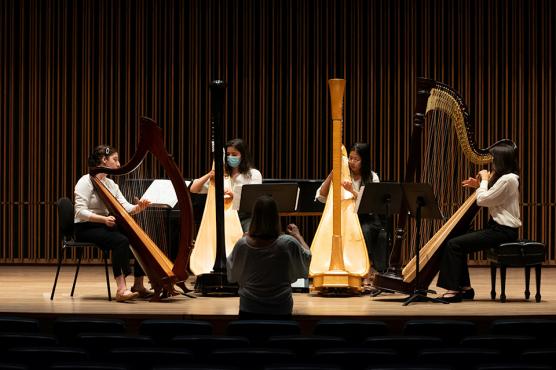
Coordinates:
468 294
456 298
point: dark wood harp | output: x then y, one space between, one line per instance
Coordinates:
162 273
442 153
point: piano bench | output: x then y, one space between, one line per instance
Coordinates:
521 253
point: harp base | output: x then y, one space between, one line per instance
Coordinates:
337 283
215 284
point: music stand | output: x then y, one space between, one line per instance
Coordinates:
382 198
422 204
285 195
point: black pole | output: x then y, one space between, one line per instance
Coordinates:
217 90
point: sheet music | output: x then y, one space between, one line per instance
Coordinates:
161 192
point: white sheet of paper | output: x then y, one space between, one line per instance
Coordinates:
162 192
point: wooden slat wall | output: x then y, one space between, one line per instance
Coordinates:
74 74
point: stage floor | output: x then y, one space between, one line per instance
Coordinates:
26 291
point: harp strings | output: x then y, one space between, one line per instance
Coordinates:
155 219
443 163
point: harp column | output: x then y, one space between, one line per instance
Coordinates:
337 281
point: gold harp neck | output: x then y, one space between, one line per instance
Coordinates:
337 88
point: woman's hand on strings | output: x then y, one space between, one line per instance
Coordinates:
471 182
141 205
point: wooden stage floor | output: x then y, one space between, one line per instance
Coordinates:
26 290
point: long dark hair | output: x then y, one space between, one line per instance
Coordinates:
504 161
246 163
364 151
100 152
265 221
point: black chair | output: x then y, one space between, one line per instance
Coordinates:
305 346
458 357
522 253
544 330
67 329
65 220
87 366
251 358
509 345
541 356
355 358
450 331
6 366
354 331
100 344
202 345
162 331
12 340
14 324
406 345
512 366
258 331
145 358
43 357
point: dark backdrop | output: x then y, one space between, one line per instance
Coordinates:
74 74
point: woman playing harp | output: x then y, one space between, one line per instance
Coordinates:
361 174
163 274
340 258
499 192
93 223
204 253
442 150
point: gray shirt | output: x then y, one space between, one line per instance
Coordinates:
265 274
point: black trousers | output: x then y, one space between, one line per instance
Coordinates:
113 240
376 240
454 272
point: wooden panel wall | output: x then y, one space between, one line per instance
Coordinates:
74 74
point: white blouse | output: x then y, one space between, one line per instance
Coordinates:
502 200
346 194
87 201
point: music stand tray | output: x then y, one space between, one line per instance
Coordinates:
422 203
285 195
382 198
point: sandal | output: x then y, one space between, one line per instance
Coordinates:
123 297
142 293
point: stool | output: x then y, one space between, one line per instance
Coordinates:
521 253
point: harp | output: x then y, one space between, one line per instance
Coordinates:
442 152
161 271
339 254
216 282
203 255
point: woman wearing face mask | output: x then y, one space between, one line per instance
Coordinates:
240 170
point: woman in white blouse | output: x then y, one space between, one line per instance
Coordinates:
94 223
499 191
239 167
372 225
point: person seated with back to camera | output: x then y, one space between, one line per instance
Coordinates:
265 262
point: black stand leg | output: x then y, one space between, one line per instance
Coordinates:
420 295
527 279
